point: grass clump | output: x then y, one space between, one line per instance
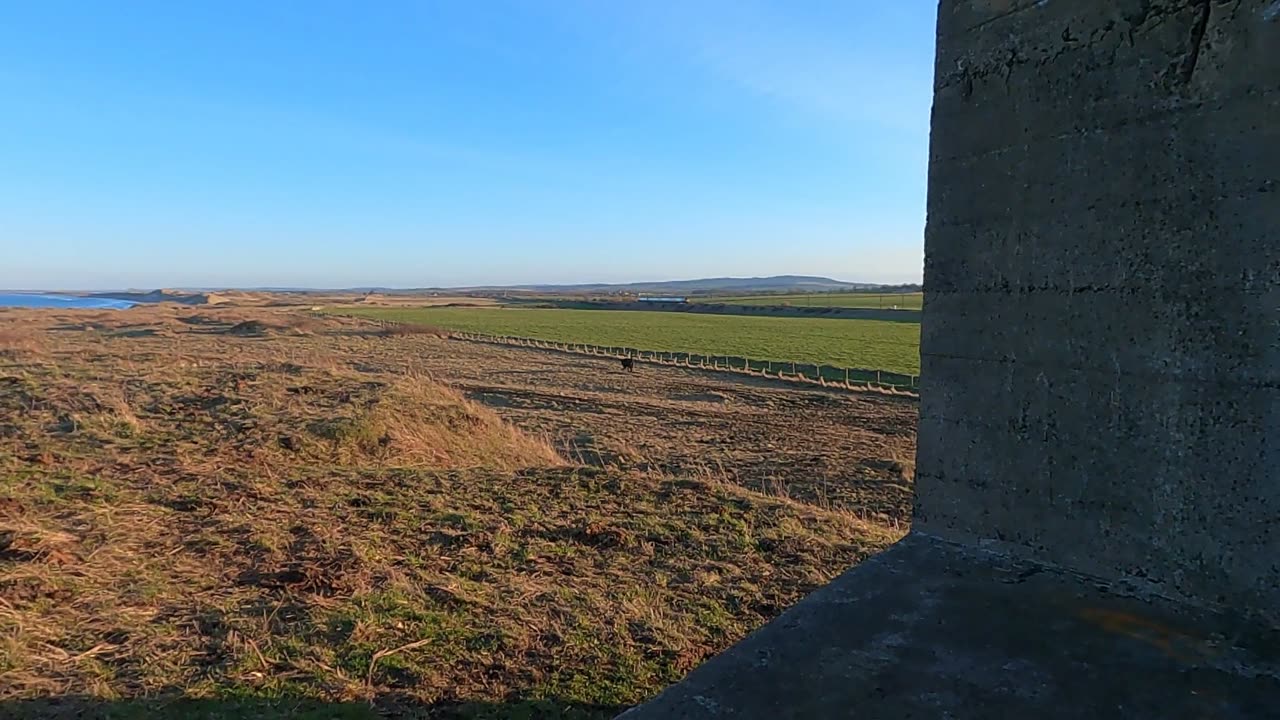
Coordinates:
415 422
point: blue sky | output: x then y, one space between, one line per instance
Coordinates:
400 143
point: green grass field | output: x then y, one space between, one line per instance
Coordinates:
903 301
871 344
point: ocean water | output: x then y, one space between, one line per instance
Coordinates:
34 300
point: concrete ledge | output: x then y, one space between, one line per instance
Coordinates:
929 629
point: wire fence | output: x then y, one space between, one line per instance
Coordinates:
810 373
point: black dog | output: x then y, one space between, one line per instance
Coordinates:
629 364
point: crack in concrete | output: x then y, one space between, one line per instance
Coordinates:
1030 6
1198 30
1133 24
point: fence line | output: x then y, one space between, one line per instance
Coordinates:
808 373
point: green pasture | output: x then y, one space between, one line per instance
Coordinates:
902 301
872 344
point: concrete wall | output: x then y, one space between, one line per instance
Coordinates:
1101 370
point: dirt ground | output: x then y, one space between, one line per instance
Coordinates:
827 447
254 512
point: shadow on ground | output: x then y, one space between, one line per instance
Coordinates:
243 708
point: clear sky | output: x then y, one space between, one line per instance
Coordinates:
419 143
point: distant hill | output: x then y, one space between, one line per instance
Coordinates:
181 297
780 284
775 283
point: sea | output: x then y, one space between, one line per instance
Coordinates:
65 302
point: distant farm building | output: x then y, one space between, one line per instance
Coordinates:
663 299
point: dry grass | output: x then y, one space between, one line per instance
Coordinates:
905 466
431 425
394 330
270 525
18 339
414 422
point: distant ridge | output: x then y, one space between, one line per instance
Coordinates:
700 286
773 284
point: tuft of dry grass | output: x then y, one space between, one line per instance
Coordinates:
16 341
431 425
395 330
256 327
905 466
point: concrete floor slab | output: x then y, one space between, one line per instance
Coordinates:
930 629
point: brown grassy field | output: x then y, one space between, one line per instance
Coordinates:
251 513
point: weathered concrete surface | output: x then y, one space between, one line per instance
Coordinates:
1101 340
1100 398
934 630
